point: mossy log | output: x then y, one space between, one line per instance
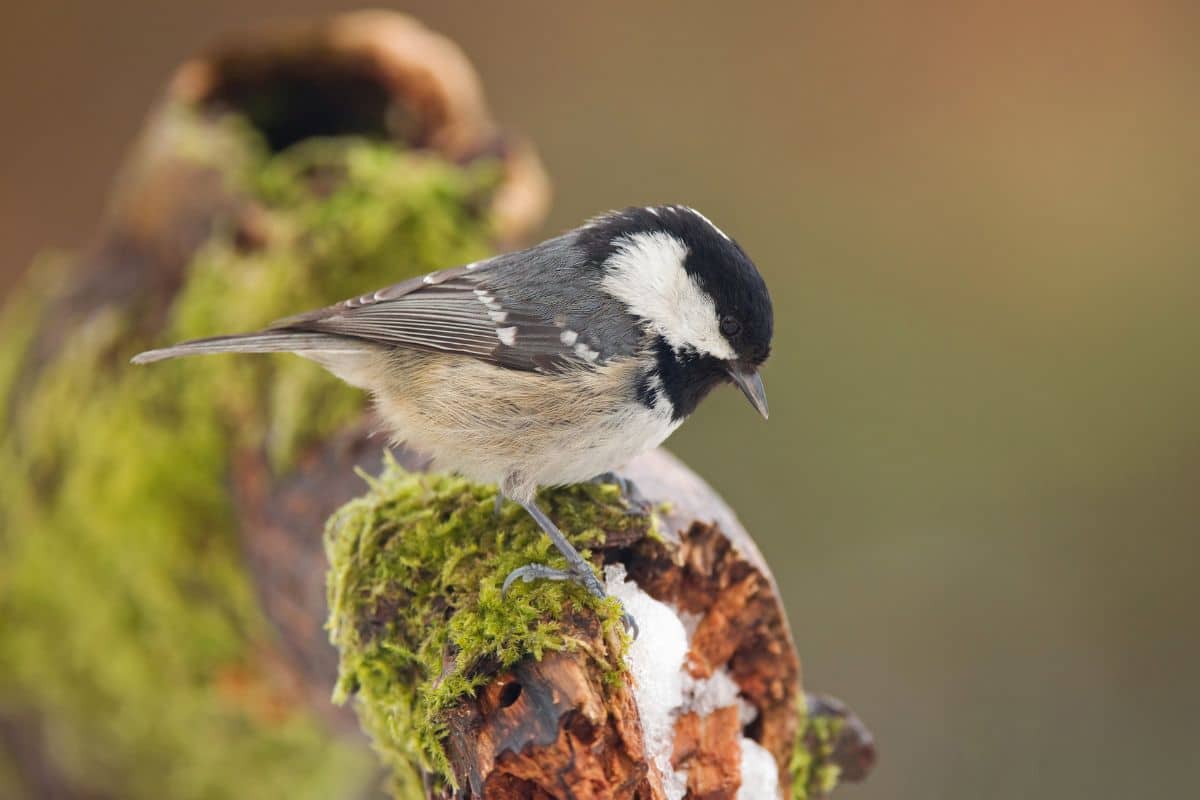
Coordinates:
448 673
163 580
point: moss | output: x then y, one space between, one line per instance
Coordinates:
814 775
416 568
129 623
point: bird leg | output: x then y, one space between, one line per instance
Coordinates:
580 570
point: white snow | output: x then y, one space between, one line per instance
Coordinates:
706 695
655 659
691 622
760 776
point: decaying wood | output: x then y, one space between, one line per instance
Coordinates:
550 729
725 579
708 748
373 73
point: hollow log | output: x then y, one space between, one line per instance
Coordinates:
163 578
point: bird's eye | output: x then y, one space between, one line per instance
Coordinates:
730 326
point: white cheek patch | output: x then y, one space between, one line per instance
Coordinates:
647 275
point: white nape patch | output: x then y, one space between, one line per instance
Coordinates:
647 275
568 337
655 660
507 336
708 221
760 774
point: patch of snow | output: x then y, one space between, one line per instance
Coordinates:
691 621
706 695
655 660
760 775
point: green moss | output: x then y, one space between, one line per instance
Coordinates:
417 549
814 775
129 623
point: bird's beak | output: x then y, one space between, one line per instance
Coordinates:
750 382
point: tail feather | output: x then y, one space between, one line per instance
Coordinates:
264 342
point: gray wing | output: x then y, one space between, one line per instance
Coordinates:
538 310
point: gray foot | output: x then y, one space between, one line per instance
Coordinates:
540 572
637 502
534 572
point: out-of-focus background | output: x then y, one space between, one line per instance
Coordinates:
979 484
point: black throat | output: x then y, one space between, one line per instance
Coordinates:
686 378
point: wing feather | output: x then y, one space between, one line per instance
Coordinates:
460 310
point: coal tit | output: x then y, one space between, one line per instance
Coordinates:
551 365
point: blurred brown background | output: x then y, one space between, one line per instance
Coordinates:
978 486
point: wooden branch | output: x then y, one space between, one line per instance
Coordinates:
186 505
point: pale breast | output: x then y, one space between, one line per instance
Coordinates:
521 429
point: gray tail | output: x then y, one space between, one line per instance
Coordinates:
264 342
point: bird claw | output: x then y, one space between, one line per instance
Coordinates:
638 504
535 572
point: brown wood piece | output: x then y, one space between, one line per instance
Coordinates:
550 728
709 748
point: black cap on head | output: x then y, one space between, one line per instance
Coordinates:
718 264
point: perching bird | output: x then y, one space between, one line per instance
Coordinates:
547 366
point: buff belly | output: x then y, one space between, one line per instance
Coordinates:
520 430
